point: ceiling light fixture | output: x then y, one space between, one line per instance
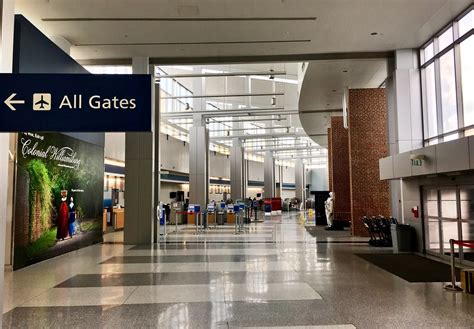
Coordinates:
334 90
373 33
274 101
344 71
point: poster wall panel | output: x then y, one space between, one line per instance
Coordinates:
58 197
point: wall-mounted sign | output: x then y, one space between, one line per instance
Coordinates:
75 102
417 160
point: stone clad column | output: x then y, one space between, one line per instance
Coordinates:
269 175
198 148
199 162
237 177
299 180
140 173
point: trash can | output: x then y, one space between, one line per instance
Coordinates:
402 237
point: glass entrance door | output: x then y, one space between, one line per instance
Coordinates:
448 214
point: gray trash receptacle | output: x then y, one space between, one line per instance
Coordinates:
402 237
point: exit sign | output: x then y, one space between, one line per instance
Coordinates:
416 162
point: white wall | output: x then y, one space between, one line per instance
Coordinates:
318 179
219 165
174 154
255 171
115 146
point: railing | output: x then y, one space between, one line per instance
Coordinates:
452 242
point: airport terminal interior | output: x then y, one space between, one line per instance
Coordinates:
237 164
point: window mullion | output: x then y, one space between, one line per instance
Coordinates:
457 74
439 109
426 123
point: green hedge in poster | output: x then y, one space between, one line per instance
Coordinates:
41 185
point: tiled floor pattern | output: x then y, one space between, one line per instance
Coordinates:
275 276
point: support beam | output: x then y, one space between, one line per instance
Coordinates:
300 157
229 113
224 95
259 136
224 74
277 149
249 120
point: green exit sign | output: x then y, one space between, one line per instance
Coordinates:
416 162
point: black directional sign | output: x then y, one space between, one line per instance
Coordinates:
75 102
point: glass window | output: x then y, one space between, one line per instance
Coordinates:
448 92
467 204
445 39
467 79
430 92
450 231
466 23
448 204
428 52
449 75
432 203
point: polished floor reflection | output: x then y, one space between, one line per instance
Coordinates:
274 276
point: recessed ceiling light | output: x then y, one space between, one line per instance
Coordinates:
373 33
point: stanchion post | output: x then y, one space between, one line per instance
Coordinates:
196 220
164 218
236 223
176 222
452 286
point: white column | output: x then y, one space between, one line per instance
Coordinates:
140 175
7 18
404 102
405 126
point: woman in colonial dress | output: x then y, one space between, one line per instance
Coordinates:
63 218
72 217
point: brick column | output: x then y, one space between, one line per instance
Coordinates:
367 144
340 168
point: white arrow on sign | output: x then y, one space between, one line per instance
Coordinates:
10 101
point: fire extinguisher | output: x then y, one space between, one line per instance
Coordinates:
415 211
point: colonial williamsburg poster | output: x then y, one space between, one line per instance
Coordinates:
58 197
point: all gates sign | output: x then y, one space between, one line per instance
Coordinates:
75 102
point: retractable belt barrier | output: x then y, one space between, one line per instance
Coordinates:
452 242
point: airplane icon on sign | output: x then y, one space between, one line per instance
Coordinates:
41 102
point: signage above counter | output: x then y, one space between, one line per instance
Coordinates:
75 102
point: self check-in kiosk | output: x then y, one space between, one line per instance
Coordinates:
230 214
